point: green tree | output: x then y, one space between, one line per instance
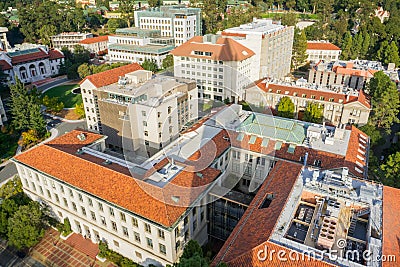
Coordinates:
114 24
356 45
299 55
80 110
385 101
289 19
391 170
314 112
150 65
84 70
7 208
168 62
25 227
392 54
154 3
45 32
192 248
365 46
286 108
381 54
11 188
347 46
126 7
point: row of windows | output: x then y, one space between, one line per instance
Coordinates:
202 60
74 195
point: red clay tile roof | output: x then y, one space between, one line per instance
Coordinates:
114 183
225 49
391 225
55 54
354 72
329 160
250 258
4 65
321 46
234 34
93 40
29 57
111 76
250 232
337 97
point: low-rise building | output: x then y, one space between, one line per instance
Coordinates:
354 73
31 64
137 45
3 117
152 110
69 39
271 43
220 66
178 22
322 50
95 44
342 105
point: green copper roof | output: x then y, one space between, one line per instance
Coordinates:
277 128
23 52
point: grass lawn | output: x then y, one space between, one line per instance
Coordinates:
8 145
65 95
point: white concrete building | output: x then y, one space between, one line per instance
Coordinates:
136 45
220 66
31 64
138 112
96 44
4 44
322 50
179 22
271 43
3 117
69 39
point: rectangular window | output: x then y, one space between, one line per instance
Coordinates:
125 231
83 210
137 236
161 234
134 222
100 206
123 218
163 250
65 202
114 226
103 220
116 243
93 215
74 206
90 202
202 215
48 193
71 194
147 227
149 242
80 197
111 212
57 199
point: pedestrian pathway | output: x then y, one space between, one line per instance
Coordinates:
53 251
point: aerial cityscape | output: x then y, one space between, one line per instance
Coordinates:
199 133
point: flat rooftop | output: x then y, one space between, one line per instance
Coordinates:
259 26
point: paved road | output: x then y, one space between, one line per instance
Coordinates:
51 84
10 170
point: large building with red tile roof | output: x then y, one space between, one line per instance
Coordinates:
341 105
354 73
30 63
221 66
322 50
95 44
254 182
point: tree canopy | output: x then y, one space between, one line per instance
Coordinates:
286 108
314 112
385 101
